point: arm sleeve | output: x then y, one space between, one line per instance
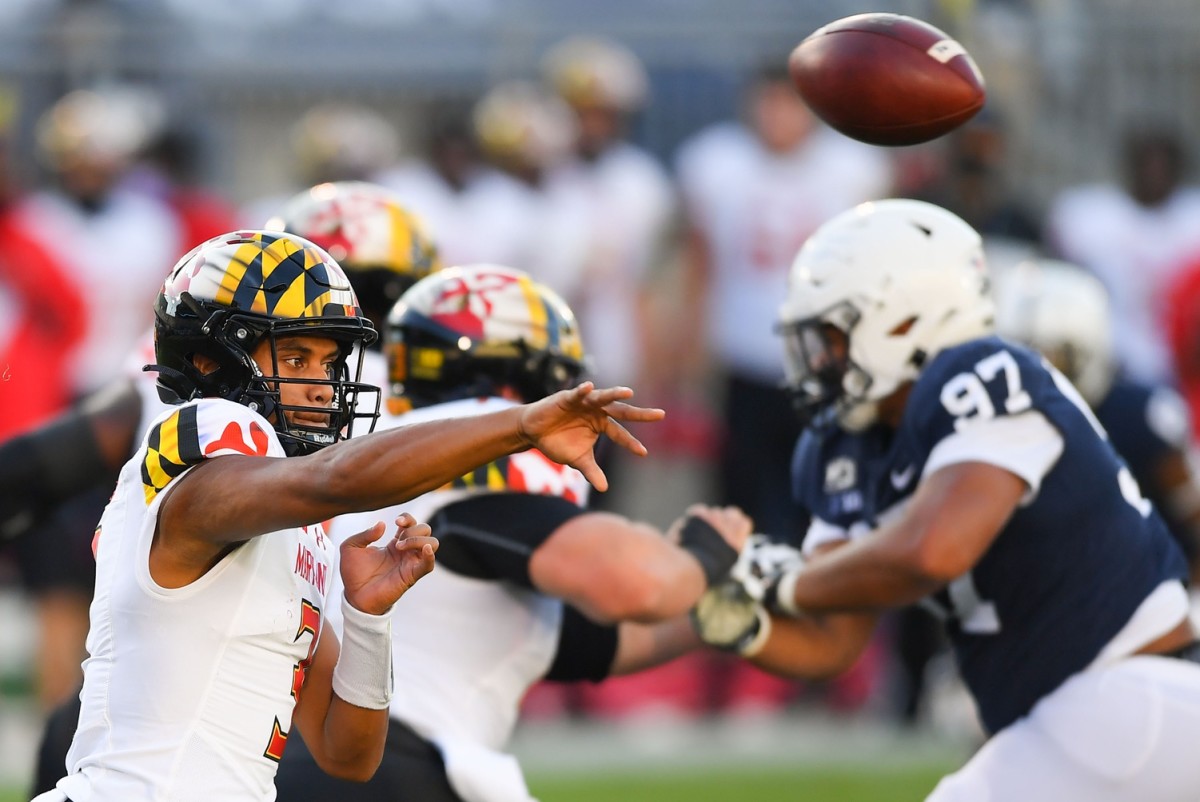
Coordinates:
1026 445
586 650
493 535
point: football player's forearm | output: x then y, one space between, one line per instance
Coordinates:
643 646
814 647
353 740
388 468
866 575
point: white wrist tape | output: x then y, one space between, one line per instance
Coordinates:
785 593
363 674
756 643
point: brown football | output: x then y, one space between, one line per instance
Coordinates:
887 79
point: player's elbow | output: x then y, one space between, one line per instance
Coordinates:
358 769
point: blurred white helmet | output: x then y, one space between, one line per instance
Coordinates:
873 295
517 123
107 125
342 142
1063 311
590 71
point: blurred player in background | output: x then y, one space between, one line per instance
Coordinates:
1135 236
331 142
260 335
629 197
383 248
1062 311
530 584
112 243
753 191
946 465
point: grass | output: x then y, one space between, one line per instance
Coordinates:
801 784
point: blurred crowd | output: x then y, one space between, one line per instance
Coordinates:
675 269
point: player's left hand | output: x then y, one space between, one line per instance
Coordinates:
374 578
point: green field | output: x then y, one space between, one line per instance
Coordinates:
804 784
807 784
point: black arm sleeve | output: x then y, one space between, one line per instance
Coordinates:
493 535
43 469
585 649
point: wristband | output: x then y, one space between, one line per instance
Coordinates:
363 674
702 541
783 596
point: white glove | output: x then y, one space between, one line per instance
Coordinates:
761 564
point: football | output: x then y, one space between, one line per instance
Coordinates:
887 79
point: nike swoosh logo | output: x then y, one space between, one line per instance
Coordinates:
900 479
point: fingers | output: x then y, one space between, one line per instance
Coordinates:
621 436
591 471
629 412
407 526
365 537
425 547
420 543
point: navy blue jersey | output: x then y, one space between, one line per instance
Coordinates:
1146 424
1069 568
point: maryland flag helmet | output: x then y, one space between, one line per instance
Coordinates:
470 331
382 246
234 291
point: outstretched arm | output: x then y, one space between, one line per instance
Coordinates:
221 500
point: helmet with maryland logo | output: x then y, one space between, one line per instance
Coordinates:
476 331
235 292
873 295
381 245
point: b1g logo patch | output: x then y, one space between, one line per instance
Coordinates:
841 474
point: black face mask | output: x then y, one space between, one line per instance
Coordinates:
816 360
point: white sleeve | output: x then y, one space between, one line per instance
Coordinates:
1026 445
820 533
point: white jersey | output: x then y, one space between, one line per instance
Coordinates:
756 209
188 693
623 209
477 644
1137 252
492 219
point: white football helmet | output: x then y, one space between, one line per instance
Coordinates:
872 296
1063 311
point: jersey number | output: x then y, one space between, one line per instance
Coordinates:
966 398
310 624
